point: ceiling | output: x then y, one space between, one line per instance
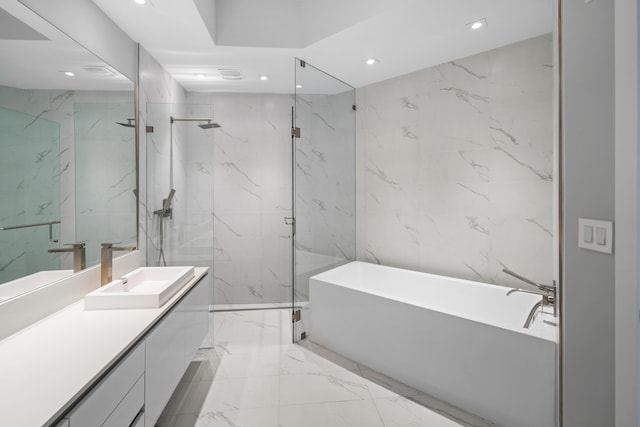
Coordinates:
260 37
35 55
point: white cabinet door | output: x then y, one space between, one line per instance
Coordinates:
96 407
196 309
128 409
164 363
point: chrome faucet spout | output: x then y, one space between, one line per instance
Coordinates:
106 260
532 314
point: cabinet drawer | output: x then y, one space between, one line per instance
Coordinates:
129 407
96 407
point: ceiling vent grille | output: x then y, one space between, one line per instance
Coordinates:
99 70
230 74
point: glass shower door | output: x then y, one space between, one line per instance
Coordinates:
323 168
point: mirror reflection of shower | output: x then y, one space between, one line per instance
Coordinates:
131 123
163 213
167 210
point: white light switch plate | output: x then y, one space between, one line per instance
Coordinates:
595 235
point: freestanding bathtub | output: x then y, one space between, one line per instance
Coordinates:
457 340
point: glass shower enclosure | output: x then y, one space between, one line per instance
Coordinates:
323 172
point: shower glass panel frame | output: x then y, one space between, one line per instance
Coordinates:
323 173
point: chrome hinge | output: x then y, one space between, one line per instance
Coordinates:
353 107
295 316
303 335
149 129
289 220
303 63
295 132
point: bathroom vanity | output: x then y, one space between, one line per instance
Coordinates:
80 367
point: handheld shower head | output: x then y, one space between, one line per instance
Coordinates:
209 125
166 203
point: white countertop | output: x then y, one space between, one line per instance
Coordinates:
45 367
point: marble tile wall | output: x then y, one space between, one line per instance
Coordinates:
58 106
251 196
455 166
155 85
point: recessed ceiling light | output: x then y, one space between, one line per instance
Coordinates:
264 77
371 61
69 73
477 24
299 86
140 1
200 76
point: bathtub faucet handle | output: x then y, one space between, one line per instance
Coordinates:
544 288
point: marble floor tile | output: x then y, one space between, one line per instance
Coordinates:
255 377
357 413
250 364
296 359
256 417
322 387
242 393
401 412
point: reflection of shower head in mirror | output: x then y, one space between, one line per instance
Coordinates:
130 123
210 124
166 203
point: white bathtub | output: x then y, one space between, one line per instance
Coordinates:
457 340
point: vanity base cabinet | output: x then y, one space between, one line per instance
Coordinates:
196 309
171 346
136 390
164 363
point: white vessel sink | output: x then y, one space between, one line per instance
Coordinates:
145 287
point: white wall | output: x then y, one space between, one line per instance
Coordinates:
455 167
626 217
588 143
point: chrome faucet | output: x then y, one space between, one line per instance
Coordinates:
106 260
547 292
79 255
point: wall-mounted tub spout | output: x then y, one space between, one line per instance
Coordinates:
547 292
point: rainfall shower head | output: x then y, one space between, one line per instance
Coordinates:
130 123
210 125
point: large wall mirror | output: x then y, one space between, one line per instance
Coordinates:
68 152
